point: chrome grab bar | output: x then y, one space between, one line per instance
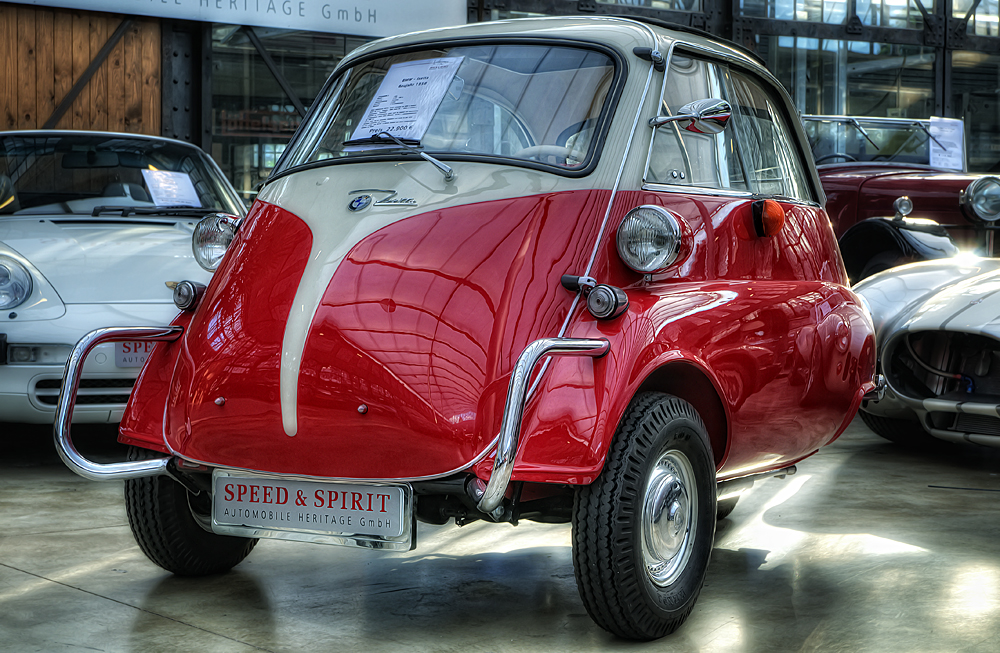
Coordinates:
510 429
67 400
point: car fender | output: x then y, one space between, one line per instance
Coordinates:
734 356
896 240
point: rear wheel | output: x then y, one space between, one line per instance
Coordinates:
169 524
725 507
643 531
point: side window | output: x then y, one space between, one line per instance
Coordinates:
771 159
686 158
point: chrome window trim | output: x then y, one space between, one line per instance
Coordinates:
699 190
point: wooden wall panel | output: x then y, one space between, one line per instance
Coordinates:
149 34
45 100
81 59
45 50
116 86
62 64
98 86
8 71
26 69
133 80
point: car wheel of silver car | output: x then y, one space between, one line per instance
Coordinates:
643 531
901 431
169 524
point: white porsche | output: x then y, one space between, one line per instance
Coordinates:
93 226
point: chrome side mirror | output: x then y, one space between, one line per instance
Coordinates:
708 116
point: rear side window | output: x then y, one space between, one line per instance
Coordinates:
756 153
772 160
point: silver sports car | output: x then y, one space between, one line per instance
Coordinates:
938 334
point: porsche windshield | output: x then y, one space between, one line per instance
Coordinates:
81 173
535 103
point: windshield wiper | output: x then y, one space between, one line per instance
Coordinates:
857 125
126 211
383 138
929 135
407 143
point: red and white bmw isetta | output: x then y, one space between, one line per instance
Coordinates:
566 270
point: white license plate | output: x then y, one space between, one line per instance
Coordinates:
132 353
371 515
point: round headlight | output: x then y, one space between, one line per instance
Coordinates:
211 238
649 239
981 199
15 283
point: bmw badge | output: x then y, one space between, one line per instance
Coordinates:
360 202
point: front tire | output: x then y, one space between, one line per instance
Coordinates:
904 432
643 531
165 522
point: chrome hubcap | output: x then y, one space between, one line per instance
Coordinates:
669 513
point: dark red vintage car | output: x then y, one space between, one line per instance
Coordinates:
867 164
568 270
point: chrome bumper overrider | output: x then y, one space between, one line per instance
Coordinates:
510 428
67 400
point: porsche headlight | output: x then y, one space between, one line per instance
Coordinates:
212 237
649 239
981 200
15 283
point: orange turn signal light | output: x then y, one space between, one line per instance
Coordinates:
768 217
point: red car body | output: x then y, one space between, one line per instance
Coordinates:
758 351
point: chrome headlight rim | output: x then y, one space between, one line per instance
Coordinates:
664 224
16 283
212 237
972 199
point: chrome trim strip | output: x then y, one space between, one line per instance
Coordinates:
67 400
697 190
510 429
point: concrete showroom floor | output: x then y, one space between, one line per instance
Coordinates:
869 547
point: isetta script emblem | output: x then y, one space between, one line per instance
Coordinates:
362 202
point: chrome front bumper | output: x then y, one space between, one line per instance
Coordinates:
491 494
67 400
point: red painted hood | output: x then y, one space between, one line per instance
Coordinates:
405 367
858 192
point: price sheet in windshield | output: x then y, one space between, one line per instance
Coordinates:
408 98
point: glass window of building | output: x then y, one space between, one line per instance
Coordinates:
853 78
252 117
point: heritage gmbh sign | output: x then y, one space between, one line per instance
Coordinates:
354 17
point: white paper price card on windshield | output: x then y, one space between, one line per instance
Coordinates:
168 188
408 98
947 143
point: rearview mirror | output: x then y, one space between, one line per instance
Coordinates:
708 116
90 159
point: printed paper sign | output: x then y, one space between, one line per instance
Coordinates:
169 188
408 98
949 149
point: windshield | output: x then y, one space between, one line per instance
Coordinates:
78 173
530 102
840 140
